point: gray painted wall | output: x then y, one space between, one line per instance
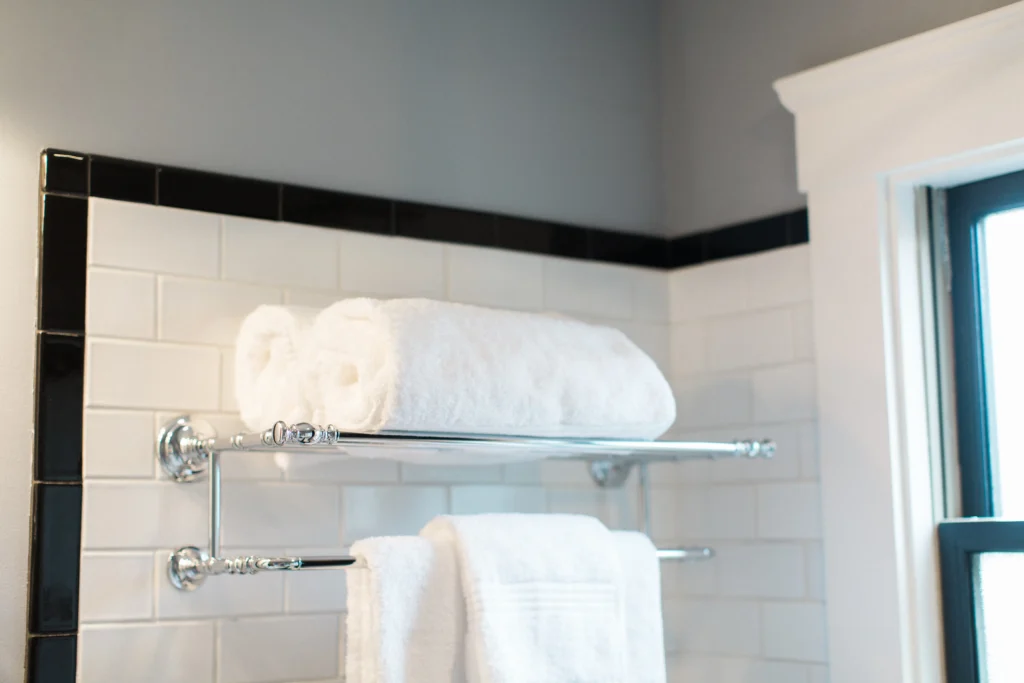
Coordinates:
532 107
728 145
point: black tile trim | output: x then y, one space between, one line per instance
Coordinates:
56 523
78 174
52 659
752 237
59 403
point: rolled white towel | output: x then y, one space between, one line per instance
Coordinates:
427 366
268 376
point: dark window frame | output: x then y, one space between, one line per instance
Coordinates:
961 541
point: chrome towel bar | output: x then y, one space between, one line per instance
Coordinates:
186 454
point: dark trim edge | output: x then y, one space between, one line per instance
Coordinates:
74 174
56 523
959 543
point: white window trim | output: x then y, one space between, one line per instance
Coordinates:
939 109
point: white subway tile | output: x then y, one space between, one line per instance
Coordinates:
680 579
653 339
785 393
803 332
278 649
761 570
612 506
207 311
688 342
712 401
712 289
490 277
316 591
228 400
473 500
275 253
150 375
789 511
566 473
522 473
734 670
817 673
269 514
815 571
650 295
153 238
778 277
116 587
121 304
118 443
711 626
154 653
389 510
588 288
717 512
794 631
391 266
221 596
750 340
443 474
809 450
313 298
335 468
138 515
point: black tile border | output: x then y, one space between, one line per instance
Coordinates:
68 179
56 523
87 175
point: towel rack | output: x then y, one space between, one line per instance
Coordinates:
186 454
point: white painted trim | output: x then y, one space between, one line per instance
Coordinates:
939 109
982 36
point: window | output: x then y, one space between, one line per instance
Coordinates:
982 554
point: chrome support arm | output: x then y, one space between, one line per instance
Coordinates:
188 567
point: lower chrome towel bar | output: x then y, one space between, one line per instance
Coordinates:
186 454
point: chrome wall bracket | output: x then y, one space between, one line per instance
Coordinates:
184 454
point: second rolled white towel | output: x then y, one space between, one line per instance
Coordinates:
428 366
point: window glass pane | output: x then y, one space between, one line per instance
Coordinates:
1001 616
1002 246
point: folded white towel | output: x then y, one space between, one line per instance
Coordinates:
405 613
544 597
641 579
268 377
427 366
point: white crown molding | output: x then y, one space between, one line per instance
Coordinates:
981 39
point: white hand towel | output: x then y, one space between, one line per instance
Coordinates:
405 613
641 577
544 597
268 379
426 366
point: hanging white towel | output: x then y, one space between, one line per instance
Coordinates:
430 366
405 613
641 579
268 378
544 597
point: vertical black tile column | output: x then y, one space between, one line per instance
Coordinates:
57 461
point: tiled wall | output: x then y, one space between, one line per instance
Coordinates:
743 363
167 289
